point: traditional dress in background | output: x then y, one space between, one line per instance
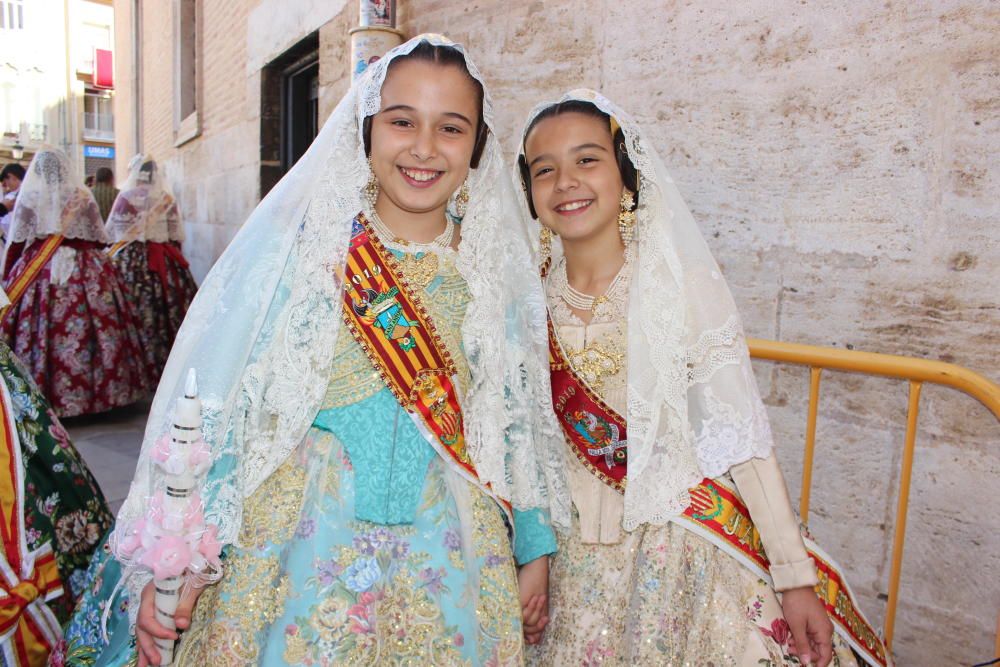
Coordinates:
146 231
365 522
63 516
69 320
657 392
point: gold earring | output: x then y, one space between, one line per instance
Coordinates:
371 187
626 218
545 247
461 201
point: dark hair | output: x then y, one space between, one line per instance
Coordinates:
630 175
12 168
104 175
444 56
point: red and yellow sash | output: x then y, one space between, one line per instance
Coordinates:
596 431
391 324
28 579
19 285
116 247
716 512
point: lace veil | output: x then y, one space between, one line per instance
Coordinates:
262 329
694 409
144 209
53 200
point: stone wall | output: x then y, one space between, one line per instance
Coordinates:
839 163
838 159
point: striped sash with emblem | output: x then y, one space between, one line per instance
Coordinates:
395 330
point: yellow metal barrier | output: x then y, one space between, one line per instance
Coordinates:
917 372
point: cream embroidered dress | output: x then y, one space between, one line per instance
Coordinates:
658 595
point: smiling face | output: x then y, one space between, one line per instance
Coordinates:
576 185
422 140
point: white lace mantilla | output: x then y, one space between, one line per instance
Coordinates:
144 209
52 200
693 406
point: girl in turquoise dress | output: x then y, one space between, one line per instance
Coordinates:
357 533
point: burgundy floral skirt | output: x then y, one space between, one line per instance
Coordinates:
160 288
75 331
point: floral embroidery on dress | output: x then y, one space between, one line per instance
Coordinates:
159 288
79 339
63 504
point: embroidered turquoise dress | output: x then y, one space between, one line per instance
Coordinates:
365 547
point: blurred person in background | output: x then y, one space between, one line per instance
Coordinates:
104 191
147 231
69 320
10 180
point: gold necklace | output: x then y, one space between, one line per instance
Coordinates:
442 240
579 301
419 271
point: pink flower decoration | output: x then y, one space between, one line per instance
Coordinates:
172 522
133 540
155 512
169 558
200 457
194 518
210 547
161 450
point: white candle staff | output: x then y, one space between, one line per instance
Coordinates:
172 539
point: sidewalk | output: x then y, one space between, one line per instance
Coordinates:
109 443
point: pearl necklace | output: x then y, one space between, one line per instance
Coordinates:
579 301
442 240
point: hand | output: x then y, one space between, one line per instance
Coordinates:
812 631
533 586
147 627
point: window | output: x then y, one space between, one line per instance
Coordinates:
301 112
187 69
98 118
22 111
92 36
9 124
11 14
289 109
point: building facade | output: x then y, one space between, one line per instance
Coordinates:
56 80
839 163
